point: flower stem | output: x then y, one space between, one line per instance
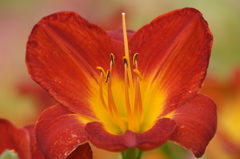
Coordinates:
133 153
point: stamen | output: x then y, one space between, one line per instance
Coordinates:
138 74
110 98
112 59
125 61
129 112
135 58
102 74
112 106
102 71
138 108
111 103
132 116
107 76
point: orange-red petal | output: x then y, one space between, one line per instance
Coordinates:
14 139
63 52
59 132
196 124
154 137
174 51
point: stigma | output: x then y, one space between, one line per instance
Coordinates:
132 92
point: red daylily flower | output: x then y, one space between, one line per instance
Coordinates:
226 142
23 142
20 140
145 94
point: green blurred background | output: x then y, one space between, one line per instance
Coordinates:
17 18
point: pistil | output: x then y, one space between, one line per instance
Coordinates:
132 116
126 50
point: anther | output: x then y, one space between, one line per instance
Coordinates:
107 76
112 59
125 61
135 58
138 74
102 71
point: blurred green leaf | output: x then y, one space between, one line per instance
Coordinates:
8 154
133 153
173 151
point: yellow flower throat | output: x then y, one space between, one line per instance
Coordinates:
132 89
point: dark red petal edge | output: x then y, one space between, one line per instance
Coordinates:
154 137
35 151
83 151
196 124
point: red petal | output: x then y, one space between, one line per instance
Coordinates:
82 151
14 139
63 52
35 151
154 137
59 132
117 35
174 51
196 124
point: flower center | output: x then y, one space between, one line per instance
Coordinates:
132 93
133 99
